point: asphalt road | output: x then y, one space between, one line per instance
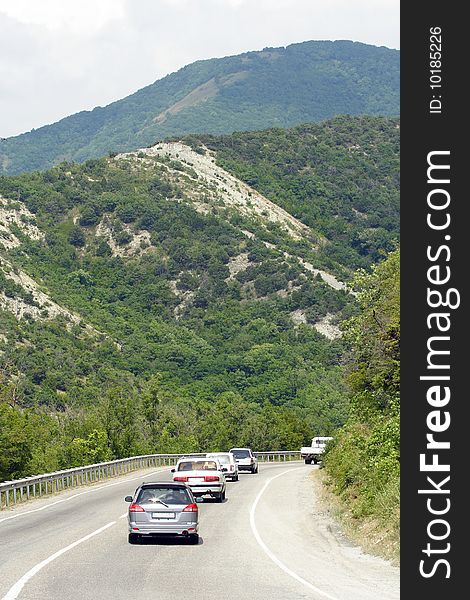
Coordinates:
267 541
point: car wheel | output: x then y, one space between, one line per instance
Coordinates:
134 538
193 539
308 461
235 478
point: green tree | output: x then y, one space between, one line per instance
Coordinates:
15 442
364 460
77 237
88 451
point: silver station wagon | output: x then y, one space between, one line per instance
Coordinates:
163 508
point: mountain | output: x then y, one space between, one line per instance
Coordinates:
156 301
276 87
339 177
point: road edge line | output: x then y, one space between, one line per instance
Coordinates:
269 552
16 588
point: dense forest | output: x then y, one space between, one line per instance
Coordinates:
141 312
364 462
276 87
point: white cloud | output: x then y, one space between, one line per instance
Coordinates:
61 56
85 15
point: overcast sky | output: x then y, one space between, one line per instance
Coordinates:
58 57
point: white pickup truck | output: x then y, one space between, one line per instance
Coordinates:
314 452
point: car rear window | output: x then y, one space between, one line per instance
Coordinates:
198 465
168 495
223 458
241 453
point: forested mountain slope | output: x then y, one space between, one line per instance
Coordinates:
340 177
152 301
276 87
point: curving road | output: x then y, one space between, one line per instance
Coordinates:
267 541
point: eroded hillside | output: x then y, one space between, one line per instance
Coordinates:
148 297
184 177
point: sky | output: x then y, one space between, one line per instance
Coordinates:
58 57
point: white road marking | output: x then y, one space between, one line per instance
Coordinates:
14 591
95 489
270 554
123 516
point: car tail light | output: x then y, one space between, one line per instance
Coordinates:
134 507
211 478
182 478
231 467
190 508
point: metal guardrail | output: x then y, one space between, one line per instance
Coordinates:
18 490
278 456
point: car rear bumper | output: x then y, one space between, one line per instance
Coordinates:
164 528
246 467
200 490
